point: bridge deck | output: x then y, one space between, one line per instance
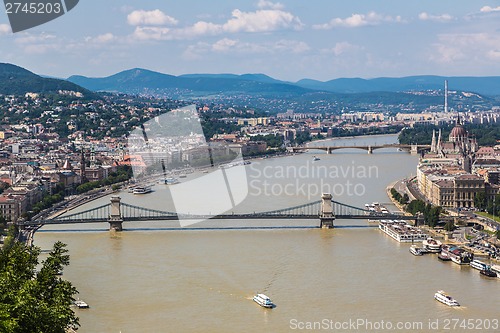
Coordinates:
128 212
219 217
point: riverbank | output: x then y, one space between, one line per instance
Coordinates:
394 201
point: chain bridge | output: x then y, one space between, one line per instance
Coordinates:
414 149
116 213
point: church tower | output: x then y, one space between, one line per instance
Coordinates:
82 167
433 143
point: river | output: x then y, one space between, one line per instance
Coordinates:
158 277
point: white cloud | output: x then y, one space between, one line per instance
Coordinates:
343 48
235 46
265 20
269 4
494 54
4 29
200 28
224 45
27 38
153 17
437 18
488 9
292 46
466 49
358 20
152 33
104 38
261 21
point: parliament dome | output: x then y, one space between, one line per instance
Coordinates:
458 133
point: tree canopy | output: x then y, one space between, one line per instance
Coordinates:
31 300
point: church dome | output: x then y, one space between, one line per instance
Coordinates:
457 133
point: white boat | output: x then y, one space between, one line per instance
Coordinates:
432 245
170 181
81 304
401 231
477 264
416 251
142 190
316 158
457 255
496 269
444 298
263 301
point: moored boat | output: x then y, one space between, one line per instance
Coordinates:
457 255
444 298
432 245
142 190
478 265
170 181
401 231
263 301
416 251
444 256
487 272
496 269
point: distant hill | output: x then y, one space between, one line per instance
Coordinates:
15 80
139 80
489 85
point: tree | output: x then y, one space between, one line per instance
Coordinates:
432 216
480 200
449 226
32 301
416 206
405 199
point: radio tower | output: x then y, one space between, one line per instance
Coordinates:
445 96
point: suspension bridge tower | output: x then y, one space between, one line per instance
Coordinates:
326 216
115 219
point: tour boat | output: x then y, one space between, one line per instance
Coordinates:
170 181
432 245
263 301
416 251
487 272
81 304
457 255
496 269
442 297
443 256
142 190
401 231
478 265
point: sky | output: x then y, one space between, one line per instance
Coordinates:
286 39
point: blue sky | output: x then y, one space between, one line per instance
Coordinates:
286 39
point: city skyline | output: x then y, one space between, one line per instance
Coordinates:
286 40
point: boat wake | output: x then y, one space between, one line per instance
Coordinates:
282 267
